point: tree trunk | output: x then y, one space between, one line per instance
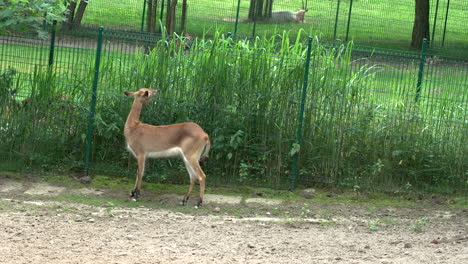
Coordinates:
183 19
268 9
252 7
421 24
80 12
154 17
173 15
151 16
170 16
260 9
71 11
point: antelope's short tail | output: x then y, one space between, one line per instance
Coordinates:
206 151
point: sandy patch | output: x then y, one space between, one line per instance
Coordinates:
9 186
263 201
45 189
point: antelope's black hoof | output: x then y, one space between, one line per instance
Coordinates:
135 194
184 201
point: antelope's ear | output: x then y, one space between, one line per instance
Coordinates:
128 93
146 94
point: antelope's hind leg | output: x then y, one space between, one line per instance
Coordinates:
196 173
187 195
193 178
201 179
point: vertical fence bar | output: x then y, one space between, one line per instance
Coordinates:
445 24
349 19
89 135
237 19
422 61
301 116
435 22
143 15
336 19
52 43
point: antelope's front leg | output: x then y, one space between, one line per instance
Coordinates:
135 194
139 175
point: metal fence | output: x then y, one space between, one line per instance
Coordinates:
343 116
374 23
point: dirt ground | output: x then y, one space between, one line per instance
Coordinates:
36 226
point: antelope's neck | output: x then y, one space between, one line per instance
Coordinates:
134 115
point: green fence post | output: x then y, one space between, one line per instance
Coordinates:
301 116
336 19
421 69
349 19
237 19
435 22
143 15
445 24
92 108
52 43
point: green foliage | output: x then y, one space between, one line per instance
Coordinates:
373 225
23 15
419 224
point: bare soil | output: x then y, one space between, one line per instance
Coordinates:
36 226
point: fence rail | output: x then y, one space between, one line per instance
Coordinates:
371 118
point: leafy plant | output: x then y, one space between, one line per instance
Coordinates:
373 225
22 15
419 224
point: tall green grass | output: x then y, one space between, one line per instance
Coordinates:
362 126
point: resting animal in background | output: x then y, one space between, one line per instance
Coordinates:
185 140
174 45
286 16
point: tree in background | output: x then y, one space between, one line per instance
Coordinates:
171 16
260 9
421 24
19 15
75 15
151 15
183 18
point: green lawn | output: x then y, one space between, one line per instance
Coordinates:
376 23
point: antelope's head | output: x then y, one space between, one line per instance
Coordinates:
143 95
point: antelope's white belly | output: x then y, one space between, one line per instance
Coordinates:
172 152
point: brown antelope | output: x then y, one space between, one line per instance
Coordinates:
186 140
